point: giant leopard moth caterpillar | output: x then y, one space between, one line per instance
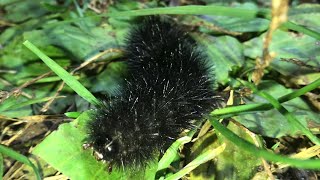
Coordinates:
168 86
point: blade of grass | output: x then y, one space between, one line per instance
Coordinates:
171 153
14 105
201 159
292 26
258 152
234 110
1 166
44 80
63 74
19 157
195 9
79 10
72 114
215 10
191 9
315 84
291 119
202 10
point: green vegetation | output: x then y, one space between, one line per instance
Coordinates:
42 119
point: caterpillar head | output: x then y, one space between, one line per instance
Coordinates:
105 150
118 134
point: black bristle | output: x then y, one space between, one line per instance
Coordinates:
167 87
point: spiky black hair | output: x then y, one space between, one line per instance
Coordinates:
168 85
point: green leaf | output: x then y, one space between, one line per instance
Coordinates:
292 120
109 81
63 149
205 142
287 45
233 110
239 24
229 164
244 13
259 152
272 123
23 63
306 15
225 53
82 41
22 10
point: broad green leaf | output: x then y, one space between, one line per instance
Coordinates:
271 123
80 41
227 165
238 24
63 150
287 45
305 79
23 63
29 71
307 15
207 141
23 10
225 53
261 152
109 81
292 120
230 164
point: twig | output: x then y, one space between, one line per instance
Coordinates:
279 16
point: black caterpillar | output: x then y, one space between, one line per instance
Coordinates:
167 87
